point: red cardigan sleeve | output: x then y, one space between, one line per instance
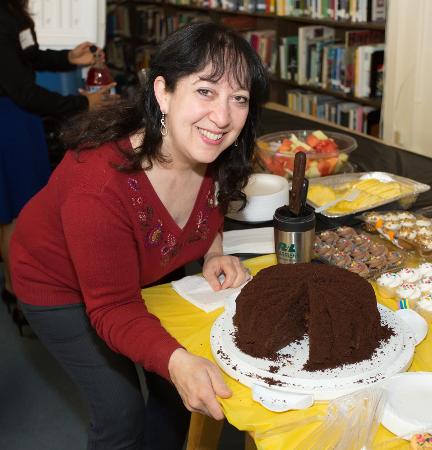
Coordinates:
103 247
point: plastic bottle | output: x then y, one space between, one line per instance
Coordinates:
98 75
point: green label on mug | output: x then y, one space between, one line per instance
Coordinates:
287 251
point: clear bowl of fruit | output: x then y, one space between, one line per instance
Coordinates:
327 152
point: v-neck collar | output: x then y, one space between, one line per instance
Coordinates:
163 211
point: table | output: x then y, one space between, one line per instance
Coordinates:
191 327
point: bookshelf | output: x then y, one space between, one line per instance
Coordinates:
320 75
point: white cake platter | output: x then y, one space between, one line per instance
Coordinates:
286 374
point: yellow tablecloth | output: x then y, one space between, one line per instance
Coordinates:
191 327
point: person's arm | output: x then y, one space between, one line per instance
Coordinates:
61 60
17 82
216 264
49 60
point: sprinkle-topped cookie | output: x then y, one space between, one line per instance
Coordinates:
421 441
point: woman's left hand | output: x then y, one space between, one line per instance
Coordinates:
234 271
81 54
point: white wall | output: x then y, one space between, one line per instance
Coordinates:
407 104
65 23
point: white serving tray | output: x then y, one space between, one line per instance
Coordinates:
334 181
287 374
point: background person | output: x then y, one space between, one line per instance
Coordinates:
24 162
135 201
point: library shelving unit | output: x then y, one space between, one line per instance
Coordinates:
320 62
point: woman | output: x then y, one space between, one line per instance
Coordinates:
136 202
24 164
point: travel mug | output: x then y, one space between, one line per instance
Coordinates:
294 235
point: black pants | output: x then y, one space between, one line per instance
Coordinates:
119 417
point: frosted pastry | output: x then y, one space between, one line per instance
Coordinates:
425 269
407 233
387 284
360 268
378 250
424 231
421 441
409 275
410 292
424 307
391 226
391 217
372 217
425 285
425 242
405 215
408 223
423 223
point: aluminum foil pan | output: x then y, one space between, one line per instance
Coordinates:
404 201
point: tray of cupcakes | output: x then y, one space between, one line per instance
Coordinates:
411 286
356 251
406 230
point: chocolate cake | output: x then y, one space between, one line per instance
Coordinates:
335 307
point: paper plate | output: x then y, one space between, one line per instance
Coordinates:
408 409
265 193
416 322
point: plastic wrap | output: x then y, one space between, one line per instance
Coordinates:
350 424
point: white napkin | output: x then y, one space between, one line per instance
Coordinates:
253 240
196 290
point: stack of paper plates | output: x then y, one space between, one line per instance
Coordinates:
265 193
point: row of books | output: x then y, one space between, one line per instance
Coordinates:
118 20
349 10
364 119
146 22
265 44
176 21
263 41
119 54
315 57
150 23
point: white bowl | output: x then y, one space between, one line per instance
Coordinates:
265 193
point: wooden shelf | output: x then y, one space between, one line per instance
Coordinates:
375 102
299 19
283 25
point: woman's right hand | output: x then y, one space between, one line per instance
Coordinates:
101 97
198 382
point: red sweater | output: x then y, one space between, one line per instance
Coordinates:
97 235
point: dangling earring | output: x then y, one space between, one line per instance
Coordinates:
236 143
163 127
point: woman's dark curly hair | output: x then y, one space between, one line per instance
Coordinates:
19 8
187 51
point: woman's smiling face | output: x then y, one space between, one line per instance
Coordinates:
204 117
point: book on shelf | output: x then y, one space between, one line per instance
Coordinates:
264 43
143 55
240 23
117 54
353 39
288 53
376 11
363 67
118 20
377 74
345 10
150 23
174 22
308 37
364 119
